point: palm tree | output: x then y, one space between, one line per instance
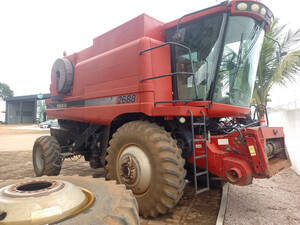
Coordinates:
274 68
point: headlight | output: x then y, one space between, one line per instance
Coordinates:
182 120
263 11
255 7
242 6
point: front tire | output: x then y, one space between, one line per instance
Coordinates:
46 156
145 158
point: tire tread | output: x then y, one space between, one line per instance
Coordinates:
51 155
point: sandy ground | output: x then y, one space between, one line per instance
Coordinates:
16 163
12 138
267 201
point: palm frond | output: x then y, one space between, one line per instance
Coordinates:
291 41
270 70
288 67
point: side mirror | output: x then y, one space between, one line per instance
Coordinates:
179 35
283 54
278 56
279 53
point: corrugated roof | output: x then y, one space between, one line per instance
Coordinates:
286 107
28 97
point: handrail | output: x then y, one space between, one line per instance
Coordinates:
180 45
173 101
167 43
166 75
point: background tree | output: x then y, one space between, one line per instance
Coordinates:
270 69
41 108
5 91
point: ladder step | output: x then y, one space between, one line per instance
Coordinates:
202 190
199 139
200 156
194 126
201 173
199 124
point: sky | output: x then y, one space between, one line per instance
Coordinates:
34 33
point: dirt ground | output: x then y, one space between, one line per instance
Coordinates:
268 201
16 163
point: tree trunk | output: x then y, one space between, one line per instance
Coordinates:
261 111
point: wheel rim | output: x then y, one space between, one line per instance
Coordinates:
39 159
134 169
47 201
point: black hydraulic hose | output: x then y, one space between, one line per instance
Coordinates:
249 125
236 130
239 129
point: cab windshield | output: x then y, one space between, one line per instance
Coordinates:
232 81
236 76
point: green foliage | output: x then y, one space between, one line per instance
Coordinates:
41 108
5 91
270 69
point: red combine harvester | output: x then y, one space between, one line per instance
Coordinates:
152 102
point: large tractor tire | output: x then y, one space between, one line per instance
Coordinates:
145 158
113 204
46 156
63 70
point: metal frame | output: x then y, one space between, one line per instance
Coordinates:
201 10
214 81
204 139
100 134
173 101
169 75
173 74
190 56
166 75
82 138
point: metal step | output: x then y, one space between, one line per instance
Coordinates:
199 139
201 173
198 124
202 190
200 156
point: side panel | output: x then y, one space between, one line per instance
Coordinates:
103 84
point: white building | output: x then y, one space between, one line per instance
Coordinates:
285 112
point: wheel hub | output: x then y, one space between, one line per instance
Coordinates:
130 173
135 169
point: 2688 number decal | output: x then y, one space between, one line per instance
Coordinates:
124 99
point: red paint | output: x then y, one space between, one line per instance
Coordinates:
112 66
221 158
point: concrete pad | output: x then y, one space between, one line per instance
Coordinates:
266 201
